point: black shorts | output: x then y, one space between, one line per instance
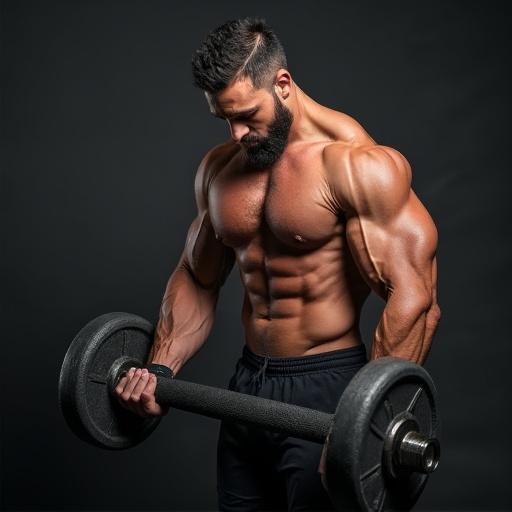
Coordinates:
261 470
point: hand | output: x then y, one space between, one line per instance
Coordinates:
321 466
136 392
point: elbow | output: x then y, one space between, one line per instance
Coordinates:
414 301
433 316
423 300
422 303
426 303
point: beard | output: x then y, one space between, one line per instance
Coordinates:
263 152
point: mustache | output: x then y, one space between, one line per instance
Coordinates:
250 139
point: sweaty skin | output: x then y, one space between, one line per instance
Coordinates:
331 220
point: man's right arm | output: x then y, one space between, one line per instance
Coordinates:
188 306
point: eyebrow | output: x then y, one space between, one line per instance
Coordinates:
237 114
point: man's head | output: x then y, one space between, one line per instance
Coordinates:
241 66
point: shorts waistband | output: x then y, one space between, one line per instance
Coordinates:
342 358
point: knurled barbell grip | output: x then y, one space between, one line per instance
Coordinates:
224 404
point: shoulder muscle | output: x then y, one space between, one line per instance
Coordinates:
208 259
369 180
210 165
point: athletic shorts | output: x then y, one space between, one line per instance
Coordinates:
262 470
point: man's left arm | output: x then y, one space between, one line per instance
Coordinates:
393 241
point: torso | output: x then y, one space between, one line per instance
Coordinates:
303 292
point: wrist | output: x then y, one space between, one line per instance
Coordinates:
168 353
160 370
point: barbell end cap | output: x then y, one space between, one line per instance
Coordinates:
419 453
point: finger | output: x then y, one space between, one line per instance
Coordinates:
124 379
130 385
120 385
153 381
321 466
324 482
140 386
147 397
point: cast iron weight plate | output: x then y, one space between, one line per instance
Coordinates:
361 476
85 400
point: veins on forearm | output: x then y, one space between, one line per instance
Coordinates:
402 334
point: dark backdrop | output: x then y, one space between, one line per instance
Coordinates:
101 135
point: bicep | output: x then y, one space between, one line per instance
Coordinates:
208 260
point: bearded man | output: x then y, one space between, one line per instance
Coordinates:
316 215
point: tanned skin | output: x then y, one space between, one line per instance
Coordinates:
334 218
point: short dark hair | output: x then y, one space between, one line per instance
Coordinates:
237 49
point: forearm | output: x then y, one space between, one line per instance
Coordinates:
186 318
406 328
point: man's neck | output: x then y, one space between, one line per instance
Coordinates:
304 126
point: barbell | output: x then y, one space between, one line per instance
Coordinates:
380 442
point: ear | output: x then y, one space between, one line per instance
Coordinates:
283 83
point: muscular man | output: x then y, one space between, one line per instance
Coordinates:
316 215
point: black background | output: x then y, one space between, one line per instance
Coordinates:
101 134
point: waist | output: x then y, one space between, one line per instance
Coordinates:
342 358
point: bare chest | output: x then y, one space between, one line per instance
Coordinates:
290 203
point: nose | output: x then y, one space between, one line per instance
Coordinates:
238 130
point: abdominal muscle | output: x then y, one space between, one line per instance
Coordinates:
301 305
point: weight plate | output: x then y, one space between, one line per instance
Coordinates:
357 465
84 396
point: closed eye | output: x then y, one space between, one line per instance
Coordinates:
242 116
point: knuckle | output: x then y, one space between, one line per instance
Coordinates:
149 411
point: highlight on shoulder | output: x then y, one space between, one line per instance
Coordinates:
212 163
367 171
